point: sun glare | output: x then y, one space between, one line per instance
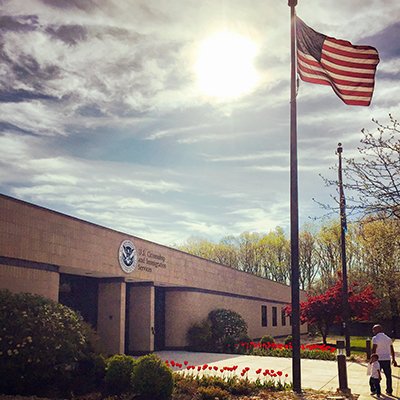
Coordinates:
225 65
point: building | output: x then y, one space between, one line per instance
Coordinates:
140 296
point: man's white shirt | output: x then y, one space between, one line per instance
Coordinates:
383 343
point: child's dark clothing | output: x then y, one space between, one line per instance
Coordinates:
375 385
374 381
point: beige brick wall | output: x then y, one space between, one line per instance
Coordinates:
186 308
29 280
32 233
111 317
141 318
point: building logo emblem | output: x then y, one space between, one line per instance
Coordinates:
127 256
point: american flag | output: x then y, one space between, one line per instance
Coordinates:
348 69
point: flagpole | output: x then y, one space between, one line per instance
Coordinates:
294 208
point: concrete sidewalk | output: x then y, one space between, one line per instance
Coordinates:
315 374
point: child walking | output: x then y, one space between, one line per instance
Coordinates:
374 371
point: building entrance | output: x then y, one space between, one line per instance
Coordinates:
81 294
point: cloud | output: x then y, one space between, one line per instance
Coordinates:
101 116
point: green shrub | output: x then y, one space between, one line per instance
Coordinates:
151 378
289 339
199 336
267 339
118 375
42 343
224 324
212 393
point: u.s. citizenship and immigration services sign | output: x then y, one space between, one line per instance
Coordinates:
127 256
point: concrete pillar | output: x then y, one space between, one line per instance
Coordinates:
111 316
141 319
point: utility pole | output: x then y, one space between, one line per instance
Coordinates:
343 229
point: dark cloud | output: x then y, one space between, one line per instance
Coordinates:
85 5
22 23
70 34
390 76
90 111
386 41
29 71
17 96
8 127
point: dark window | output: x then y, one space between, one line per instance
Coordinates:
264 320
274 316
283 317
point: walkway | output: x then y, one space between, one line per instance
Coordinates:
315 374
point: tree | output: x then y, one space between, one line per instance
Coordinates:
325 309
308 261
372 180
380 246
275 255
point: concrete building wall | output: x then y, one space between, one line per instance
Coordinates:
111 317
141 319
185 308
32 233
29 280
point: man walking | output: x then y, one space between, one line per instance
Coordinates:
382 345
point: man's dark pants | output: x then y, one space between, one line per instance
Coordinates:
387 370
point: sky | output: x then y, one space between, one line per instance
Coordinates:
108 112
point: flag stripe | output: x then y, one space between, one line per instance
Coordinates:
344 60
337 73
348 53
345 45
349 88
341 80
351 63
348 69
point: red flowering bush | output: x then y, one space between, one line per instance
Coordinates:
325 309
313 351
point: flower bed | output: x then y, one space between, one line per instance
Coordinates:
232 376
312 351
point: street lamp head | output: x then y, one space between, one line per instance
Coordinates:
292 3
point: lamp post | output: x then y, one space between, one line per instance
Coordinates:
342 369
343 229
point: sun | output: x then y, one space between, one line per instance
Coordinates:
225 65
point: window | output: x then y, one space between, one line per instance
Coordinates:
274 316
264 316
283 317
